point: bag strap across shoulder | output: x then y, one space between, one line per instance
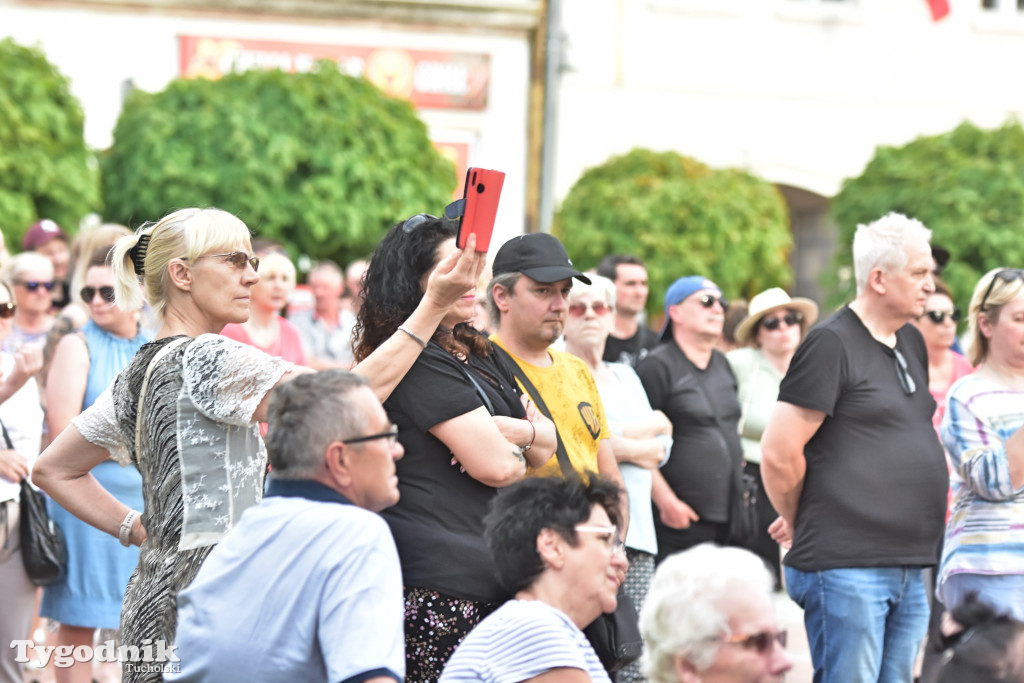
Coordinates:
513 366
157 357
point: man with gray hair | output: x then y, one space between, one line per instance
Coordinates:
853 465
307 586
709 617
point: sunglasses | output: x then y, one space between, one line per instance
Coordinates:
708 300
761 642
7 310
106 293
772 323
239 259
578 310
33 285
903 373
413 222
391 435
1006 275
938 317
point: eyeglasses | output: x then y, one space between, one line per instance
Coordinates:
7 310
903 373
938 317
1006 275
106 293
613 541
579 310
413 222
33 285
772 323
761 642
708 300
239 259
391 435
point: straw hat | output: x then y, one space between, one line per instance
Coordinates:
768 301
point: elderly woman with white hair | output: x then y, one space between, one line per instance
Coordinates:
709 618
641 437
30 276
184 411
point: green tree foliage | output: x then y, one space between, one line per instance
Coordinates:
46 170
319 161
682 218
966 185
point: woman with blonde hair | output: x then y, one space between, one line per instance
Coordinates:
185 410
982 433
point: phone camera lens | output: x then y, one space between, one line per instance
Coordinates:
480 188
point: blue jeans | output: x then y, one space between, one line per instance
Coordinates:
863 625
1002 591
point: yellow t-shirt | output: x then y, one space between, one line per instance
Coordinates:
571 395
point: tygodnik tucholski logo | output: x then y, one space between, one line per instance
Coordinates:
150 657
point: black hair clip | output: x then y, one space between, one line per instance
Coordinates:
138 254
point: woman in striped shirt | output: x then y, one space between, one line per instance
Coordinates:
984 545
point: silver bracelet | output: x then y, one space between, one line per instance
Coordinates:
124 534
412 334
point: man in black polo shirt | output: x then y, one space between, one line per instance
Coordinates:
852 464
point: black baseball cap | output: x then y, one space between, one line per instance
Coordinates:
538 256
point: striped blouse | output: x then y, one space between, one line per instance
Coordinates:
985 532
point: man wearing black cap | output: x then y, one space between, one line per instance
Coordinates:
527 302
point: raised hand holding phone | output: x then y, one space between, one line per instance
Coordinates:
478 207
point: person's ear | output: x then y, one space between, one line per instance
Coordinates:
180 274
501 296
985 326
684 670
551 547
336 461
876 281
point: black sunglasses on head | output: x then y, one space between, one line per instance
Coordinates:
1006 275
106 293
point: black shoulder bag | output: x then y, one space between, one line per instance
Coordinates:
615 636
43 551
742 487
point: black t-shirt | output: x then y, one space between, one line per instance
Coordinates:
701 465
438 521
875 488
630 351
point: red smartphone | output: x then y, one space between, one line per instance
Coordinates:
481 194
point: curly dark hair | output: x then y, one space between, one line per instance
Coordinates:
521 511
989 649
391 289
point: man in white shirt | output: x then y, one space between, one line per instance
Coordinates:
307 586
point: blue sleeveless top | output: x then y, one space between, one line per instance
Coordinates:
108 355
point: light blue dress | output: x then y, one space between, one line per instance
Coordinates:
99 566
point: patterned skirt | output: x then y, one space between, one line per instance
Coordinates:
435 624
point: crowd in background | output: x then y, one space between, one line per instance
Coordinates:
146 365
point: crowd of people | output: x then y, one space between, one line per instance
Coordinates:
434 475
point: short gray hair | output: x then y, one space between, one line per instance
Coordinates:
882 244
306 415
506 280
682 614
